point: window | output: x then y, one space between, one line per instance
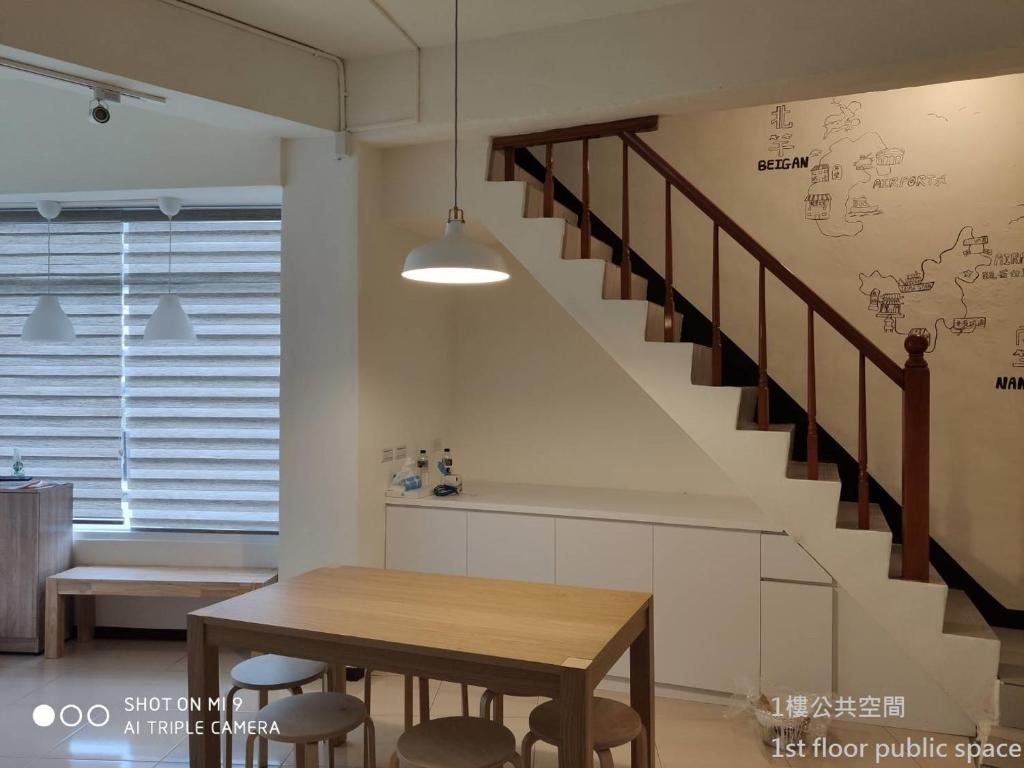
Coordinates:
159 436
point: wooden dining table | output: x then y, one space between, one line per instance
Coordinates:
516 638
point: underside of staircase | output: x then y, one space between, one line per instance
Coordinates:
939 628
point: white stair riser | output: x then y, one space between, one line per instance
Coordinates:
1011 705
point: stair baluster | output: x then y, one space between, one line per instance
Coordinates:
716 315
762 354
916 439
585 215
863 502
626 264
510 163
670 294
549 181
812 402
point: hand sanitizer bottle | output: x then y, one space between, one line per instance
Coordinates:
17 467
422 466
447 459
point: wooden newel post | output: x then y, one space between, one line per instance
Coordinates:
916 407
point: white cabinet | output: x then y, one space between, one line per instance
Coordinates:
782 558
606 555
518 547
728 611
796 636
707 607
426 539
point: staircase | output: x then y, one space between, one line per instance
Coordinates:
597 285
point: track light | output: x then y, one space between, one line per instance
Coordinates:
99 113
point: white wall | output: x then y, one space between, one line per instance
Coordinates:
538 401
51 148
406 356
319 363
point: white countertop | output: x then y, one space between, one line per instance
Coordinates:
691 509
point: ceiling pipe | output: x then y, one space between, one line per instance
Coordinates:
231 21
339 62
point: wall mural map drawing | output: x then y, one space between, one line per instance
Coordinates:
933 294
845 174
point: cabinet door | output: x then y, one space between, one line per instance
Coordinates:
796 636
20 588
707 608
606 555
518 547
428 539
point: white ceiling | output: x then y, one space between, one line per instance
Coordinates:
355 28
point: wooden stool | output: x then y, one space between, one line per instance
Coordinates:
456 742
314 717
614 724
263 674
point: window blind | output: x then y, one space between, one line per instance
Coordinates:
201 419
60 404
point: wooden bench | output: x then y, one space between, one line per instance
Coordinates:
86 582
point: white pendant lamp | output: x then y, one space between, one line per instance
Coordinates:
455 259
169 322
48 323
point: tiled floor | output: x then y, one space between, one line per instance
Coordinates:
689 735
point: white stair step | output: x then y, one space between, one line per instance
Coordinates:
1011 696
964 618
797 470
1004 735
656 323
1012 651
572 246
1011 674
613 285
848 517
700 367
896 566
535 206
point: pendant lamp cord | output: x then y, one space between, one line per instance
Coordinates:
170 247
49 222
456 105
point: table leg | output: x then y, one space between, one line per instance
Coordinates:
264 699
53 629
85 617
577 696
203 684
641 689
338 683
424 699
408 701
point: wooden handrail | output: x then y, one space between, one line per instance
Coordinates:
578 132
821 308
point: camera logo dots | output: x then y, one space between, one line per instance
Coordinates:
71 716
43 715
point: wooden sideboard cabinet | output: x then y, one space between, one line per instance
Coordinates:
35 542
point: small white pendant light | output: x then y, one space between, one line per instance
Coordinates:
455 259
48 323
169 322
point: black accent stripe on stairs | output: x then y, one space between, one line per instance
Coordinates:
740 370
